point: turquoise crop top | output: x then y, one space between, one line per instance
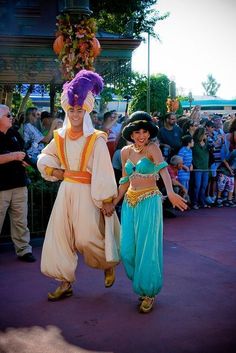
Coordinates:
144 167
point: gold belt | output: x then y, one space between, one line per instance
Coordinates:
133 197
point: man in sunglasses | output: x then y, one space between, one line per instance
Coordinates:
13 185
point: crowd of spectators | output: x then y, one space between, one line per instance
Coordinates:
200 151
206 168
36 128
199 148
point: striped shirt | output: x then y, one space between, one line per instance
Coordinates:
187 155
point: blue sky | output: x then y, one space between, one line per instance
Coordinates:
197 39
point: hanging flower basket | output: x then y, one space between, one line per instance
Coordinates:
75 44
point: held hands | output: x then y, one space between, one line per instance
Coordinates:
177 201
108 209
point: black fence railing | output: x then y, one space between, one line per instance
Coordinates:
41 198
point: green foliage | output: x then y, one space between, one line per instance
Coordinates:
17 99
159 90
126 16
107 94
211 86
180 110
38 184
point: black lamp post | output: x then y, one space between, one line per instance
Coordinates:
127 97
190 99
148 76
76 7
172 89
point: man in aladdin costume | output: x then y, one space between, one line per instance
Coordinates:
83 218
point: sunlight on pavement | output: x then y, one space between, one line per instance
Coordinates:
37 340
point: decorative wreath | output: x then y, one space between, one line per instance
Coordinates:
75 44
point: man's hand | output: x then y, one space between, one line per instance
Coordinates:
58 173
18 156
108 209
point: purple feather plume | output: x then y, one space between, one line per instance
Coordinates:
78 88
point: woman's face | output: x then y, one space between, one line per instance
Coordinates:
193 127
202 137
76 116
140 137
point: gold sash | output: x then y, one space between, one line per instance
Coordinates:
133 197
77 176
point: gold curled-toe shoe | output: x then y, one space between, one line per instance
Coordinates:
146 304
109 277
141 298
60 293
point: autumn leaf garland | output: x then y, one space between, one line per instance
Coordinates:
78 45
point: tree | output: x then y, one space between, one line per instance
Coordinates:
159 91
25 99
210 86
106 96
20 102
126 16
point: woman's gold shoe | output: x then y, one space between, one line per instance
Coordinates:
109 277
147 304
60 293
141 298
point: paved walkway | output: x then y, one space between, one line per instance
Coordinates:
195 312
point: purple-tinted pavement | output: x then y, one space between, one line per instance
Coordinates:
195 312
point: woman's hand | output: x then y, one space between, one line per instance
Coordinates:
177 201
108 209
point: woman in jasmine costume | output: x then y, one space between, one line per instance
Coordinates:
82 219
141 215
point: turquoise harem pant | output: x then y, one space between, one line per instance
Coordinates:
142 244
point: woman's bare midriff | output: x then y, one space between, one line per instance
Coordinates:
142 183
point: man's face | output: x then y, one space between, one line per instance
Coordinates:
33 116
5 120
218 123
209 129
171 119
95 118
180 166
76 116
114 115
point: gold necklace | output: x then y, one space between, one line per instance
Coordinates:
138 149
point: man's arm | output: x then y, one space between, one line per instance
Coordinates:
12 156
